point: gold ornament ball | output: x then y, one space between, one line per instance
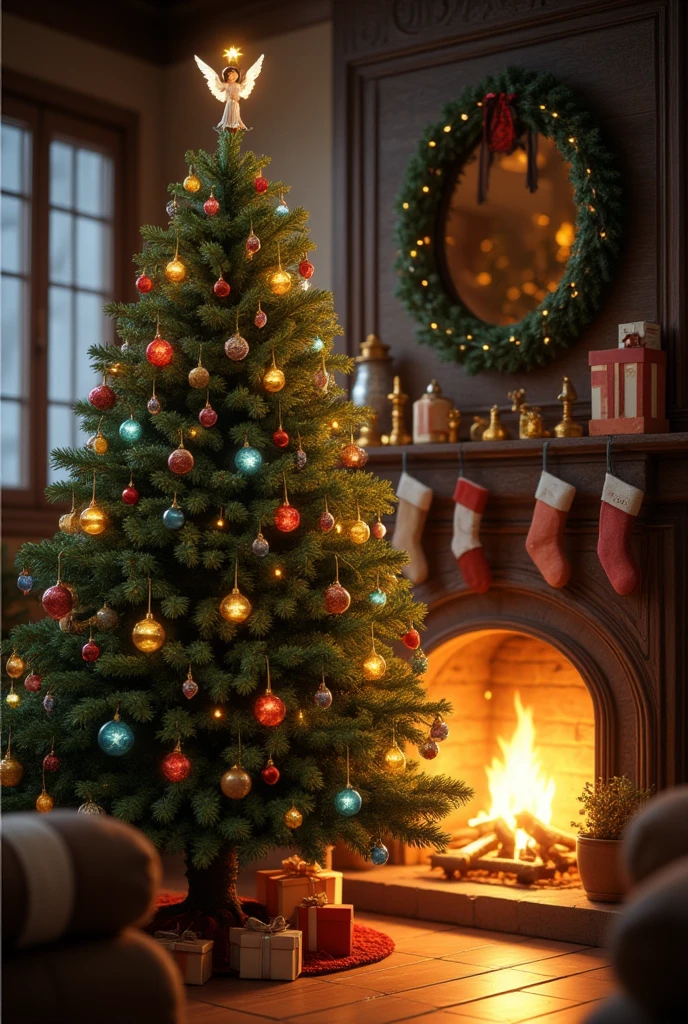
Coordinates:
374 667
359 532
13 700
69 523
236 783
44 803
148 635
15 666
93 520
192 183
235 607
175 271
274 380
199 377
293 817
279 283
66 624
11 771
100 445
395 759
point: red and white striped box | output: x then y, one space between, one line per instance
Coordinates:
627 391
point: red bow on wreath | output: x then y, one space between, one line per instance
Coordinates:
501 135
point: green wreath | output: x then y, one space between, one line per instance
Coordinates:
543 105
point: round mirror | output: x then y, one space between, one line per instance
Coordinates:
504 256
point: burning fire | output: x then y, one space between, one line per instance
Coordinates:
518 783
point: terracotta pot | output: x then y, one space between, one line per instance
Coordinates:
600 869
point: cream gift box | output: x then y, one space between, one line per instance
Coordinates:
640 334
268 951
192 955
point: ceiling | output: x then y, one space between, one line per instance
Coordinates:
164 31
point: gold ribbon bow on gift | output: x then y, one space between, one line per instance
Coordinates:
297 866
278 924
318 899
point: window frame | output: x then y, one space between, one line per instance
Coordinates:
50 111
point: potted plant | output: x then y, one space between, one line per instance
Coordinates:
607 809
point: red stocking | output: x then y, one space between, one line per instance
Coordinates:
470 501
544 543
620 505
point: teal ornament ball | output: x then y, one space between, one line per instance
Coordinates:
379 854
248 460
419 663
173 518
115 738
282 209
130 431
318 345
378 597
348 802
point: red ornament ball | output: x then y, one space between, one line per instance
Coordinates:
51 762
411 639
102 397
207 417
260 319
221 288
280 438
269 709
320 379
326 521
130 496
354 457
378 530
287 518
211 206
176 766
270 773
90 651
260 184
159 352
57 601
337 599
306 269
429 750
181 461
32 683
144 284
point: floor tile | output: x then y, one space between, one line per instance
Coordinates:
204 1013
508 954
479 986
298 1000
400 927
578 987
454 940
573 1015
382 1010
572 963
429 972
232 991
513 1007
405 960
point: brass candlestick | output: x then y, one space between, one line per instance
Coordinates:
398 434
568 426
478 427
495 431
454 425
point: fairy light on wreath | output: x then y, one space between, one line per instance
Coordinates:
445 323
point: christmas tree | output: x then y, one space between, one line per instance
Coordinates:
216 662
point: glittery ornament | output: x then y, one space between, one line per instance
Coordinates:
176 766
269 709
287 518
260 546
93 520
69 522
130 496
306 268
57 601
221 288
304 285
354 457
49 703
252 245
130 430
419 663
100 444
115 737
359 532
260 183
207 417
320 379
44 803
322 696
261 318
337 599
374 666
236 783
439 730
90 651
411 638
107 618
51 762
25 581
90 807
11 771
270 773
33 682
348 802
144 283
378 530
235 607
159 352
280 438
281 210
153 405
192 182
248 460
180 461
429 749
394 759
15 666
199 377
377 597
148 635
189 686
211 205
293 818
13 700
236 348
274 379
175 271
300 458
318 345
379 854
102 397
326 520
279 282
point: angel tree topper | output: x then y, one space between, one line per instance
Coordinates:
229 88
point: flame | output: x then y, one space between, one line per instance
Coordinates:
518 783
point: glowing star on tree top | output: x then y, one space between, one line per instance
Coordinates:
229 87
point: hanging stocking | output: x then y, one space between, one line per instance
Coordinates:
414 502
544 542
470 501
620 505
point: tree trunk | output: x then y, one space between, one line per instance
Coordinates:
213 889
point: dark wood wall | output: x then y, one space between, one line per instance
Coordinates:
398 61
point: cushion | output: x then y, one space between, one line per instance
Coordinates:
658 834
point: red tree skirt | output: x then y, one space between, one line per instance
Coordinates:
369 945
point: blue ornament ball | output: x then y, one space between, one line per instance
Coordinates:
173 518
25 582
115 738
323 696
260 546
378 597
130 431
348 802
318 345
419 663
282 209
379 854
49 703
248 460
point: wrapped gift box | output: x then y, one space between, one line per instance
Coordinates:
327 929
627 391
273 955
282 889
649 335
192 955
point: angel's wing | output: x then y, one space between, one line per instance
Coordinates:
215 83
250 77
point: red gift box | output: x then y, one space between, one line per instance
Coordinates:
627 391
328 929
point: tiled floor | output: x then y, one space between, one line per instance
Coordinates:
437 975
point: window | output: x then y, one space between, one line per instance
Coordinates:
67 233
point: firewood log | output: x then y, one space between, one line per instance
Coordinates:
461 860
507 838
526 874
545 835
462 836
